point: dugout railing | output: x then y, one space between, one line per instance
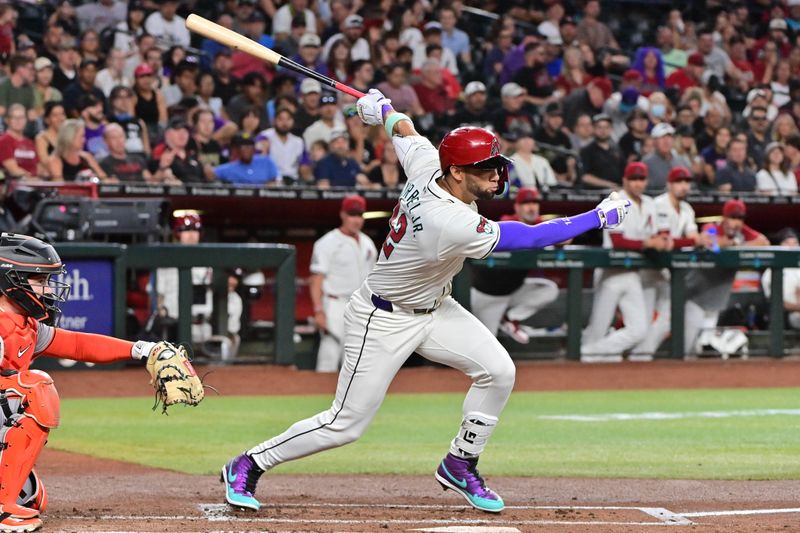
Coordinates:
280 258
577 259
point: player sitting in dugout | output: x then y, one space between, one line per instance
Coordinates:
30 295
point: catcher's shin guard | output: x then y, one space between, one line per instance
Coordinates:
33 493
24 434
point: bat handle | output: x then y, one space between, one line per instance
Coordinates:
349 90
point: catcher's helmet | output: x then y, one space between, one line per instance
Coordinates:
469 146
22 258
186 220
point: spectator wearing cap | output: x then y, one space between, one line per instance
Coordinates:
282 20
184 83
674 57
675 218
664 158
632 142
90 111
70 161
625 288
573 72
709 289
101 14
17 152
249 169
113 75
241 11
51 42
226 87
454 39
287 149
777 35
688 76
397 89
501 303
432 34
602 160
473 111
84 85
620 106
309 55
253 95
554 144
650 65
149 104
534 77
338 169
787 238
588 100
68 59
775 176
515 59
736 175
352 31
137 139
119 164
431 90
512 116
167 26
530 169
329 119
592 31
340 262
757 135
17 88
309 110
762 97
569 31
171 161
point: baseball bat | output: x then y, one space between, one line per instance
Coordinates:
233 40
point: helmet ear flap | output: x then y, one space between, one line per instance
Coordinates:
502 185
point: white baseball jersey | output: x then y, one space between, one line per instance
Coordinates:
640 224
431 234
343 260
681 223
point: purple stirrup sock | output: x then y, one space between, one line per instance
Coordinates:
520 236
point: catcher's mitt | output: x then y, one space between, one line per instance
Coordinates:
173 377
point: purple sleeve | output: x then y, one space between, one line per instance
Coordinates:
520 236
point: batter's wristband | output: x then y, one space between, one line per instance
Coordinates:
393 119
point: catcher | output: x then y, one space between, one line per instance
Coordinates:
30 296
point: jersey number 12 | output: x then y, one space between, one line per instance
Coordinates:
398 224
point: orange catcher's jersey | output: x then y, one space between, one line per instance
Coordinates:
431 233
21 339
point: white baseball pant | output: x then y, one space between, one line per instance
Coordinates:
615 288
331 349
376 344
695 320
656 290
521 304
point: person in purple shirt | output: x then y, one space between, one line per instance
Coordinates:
249 169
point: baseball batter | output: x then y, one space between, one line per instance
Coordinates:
623 288
405 305
340 262
30 296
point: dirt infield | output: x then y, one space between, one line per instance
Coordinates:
88 494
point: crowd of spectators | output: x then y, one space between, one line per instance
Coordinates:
121 91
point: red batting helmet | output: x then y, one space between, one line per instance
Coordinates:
474 147
186 220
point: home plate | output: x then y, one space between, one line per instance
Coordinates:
470 529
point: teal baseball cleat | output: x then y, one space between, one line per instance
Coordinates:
462 476
240 476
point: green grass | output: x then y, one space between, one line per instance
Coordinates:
412 432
